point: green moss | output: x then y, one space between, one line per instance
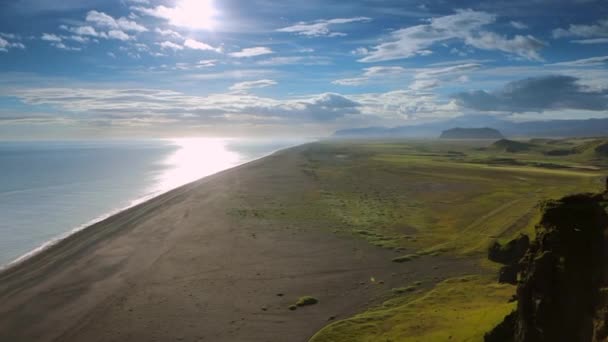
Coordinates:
306 300
459 309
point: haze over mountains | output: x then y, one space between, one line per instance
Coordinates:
548 128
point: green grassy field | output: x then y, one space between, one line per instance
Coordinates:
448 198
458 309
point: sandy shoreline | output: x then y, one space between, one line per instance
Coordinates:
181 267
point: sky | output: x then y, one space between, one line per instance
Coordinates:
167 68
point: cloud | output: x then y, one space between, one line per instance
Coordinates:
244 86
119 35
590 41
85 31
585 62
321 27
597 30
300 60
537 94
57 41
399 105
518 25
252 52
370 73
102 20
159 105
196 45
6 43
62 46
464 25
168 33
49 37
189 44
167 45
192 14
447 71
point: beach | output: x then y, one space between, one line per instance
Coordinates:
188 266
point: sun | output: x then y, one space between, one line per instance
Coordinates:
193 14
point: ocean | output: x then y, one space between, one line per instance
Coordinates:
51 189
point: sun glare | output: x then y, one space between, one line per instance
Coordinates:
196 158
194 14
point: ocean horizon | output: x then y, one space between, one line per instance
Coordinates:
52 189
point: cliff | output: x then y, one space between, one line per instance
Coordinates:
562 276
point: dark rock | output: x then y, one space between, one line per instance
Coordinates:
508 274
504 331
511 252
559 297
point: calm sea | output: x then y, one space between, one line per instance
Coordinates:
50 189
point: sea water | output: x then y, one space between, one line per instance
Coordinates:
51 189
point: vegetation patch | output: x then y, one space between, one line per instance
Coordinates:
306 300
459 309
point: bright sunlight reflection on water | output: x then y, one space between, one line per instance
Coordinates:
196 158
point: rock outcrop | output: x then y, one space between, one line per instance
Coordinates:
561 276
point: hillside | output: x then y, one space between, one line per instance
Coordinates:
471 133
511 146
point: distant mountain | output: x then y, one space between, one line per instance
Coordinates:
471 133
551 128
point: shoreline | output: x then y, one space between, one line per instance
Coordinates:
103 217
187 265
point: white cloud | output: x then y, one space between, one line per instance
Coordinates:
49 37
244 86
192 14
252 52
168 33
464 25
196 45
62 46
104 20
355 81
119 35
153 104
6 44
447 71
300 60
597 30
57 41
369 73
591 41
321 27
585 62
170 45
519 25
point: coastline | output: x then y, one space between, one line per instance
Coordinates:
185 265
100 218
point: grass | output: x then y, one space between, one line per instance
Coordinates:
429 198
306 300
460 309
434 197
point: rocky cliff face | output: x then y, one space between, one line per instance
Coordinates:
562 275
